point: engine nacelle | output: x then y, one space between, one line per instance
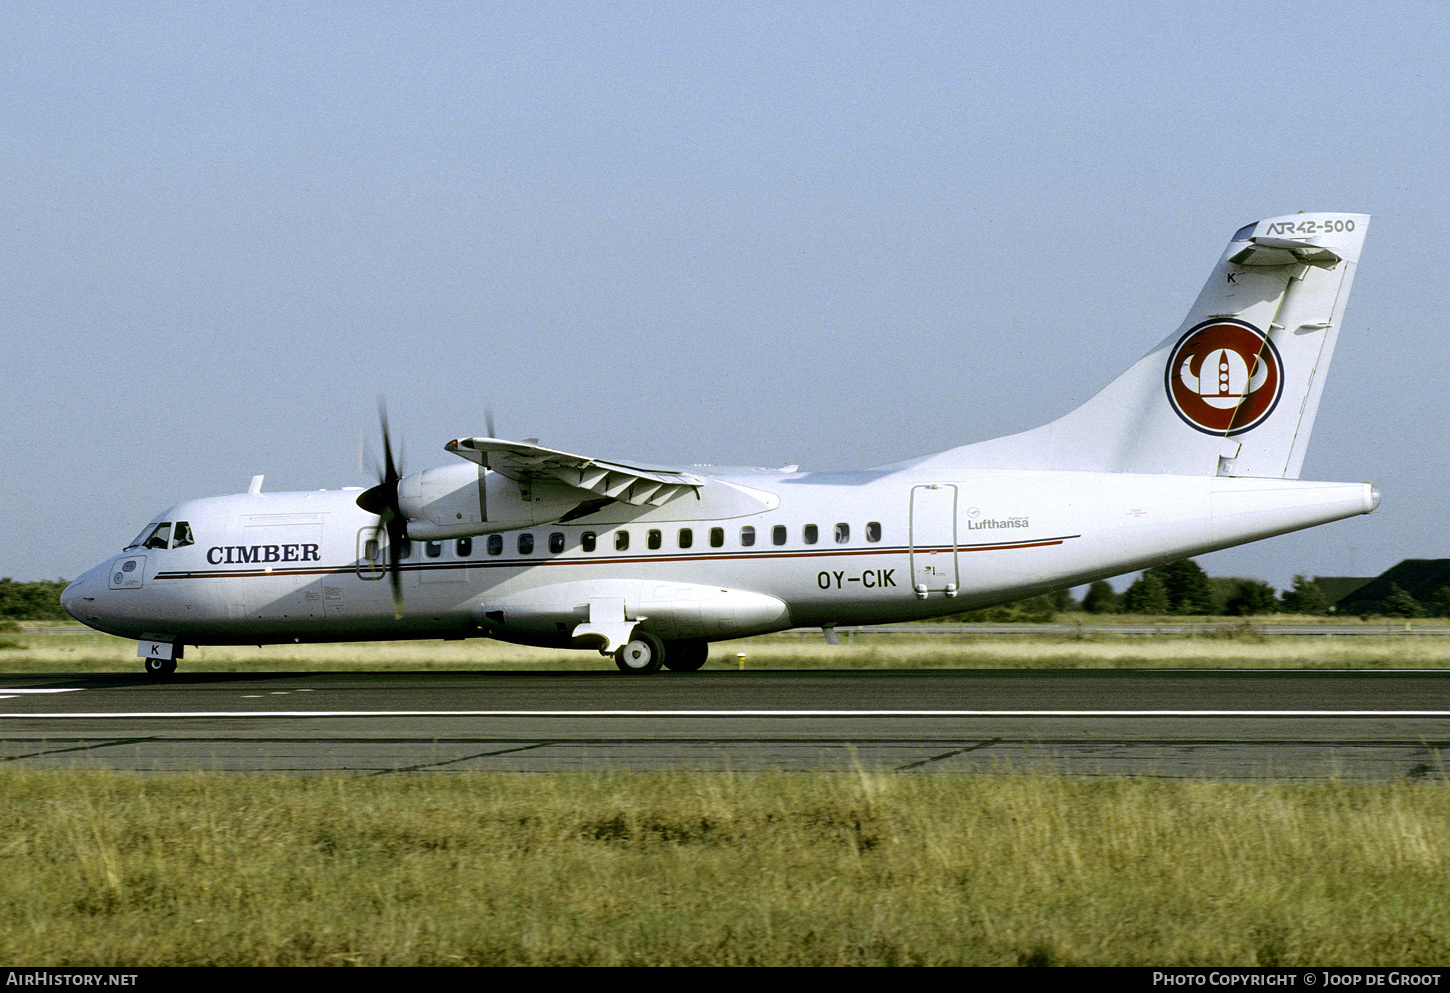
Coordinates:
460 500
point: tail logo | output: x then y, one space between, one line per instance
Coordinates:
1224 377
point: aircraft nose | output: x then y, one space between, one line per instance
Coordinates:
79 597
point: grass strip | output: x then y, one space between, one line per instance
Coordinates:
1230 648
865 868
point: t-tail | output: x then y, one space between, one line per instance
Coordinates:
1232 392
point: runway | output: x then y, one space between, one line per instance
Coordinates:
1356 726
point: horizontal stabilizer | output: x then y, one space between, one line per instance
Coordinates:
524 462
1284 251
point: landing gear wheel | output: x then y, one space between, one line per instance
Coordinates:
160 668
642 654
686 656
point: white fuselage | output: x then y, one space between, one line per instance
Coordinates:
755 551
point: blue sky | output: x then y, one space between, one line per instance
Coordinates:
834 235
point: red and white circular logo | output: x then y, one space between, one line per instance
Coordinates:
1224 377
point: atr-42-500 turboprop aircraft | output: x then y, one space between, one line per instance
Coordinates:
1196 447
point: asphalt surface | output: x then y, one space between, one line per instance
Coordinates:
1357 726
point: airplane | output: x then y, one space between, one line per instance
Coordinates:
1196 447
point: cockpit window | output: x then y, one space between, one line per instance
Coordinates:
161 536
136 541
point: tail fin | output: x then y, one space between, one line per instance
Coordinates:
1232 392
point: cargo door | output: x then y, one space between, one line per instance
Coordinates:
285 579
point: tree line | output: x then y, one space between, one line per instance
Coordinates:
38 601
1183 588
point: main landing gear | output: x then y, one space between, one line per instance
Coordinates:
644 653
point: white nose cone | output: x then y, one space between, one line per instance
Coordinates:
86 599
69 599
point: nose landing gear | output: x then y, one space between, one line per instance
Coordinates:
160 668
160 657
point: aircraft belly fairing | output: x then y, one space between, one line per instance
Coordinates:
602 612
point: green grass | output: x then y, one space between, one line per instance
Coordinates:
1205 646
677 869
100 868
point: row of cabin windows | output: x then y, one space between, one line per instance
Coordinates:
654 539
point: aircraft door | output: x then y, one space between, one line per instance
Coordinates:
934 540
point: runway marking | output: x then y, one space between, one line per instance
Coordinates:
12 694
733 713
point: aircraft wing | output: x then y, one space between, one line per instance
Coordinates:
527 462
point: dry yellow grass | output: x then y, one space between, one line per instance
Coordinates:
675 869
1230 648
618 869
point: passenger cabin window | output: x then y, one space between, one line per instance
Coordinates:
372 551
717 537
621 541
556 542
843 533
654 539
464 547
526 544
687 537
587 541
810 534
777 535
433 549
495 544
405 548
747 536
873 531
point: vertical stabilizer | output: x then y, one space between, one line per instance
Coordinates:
1232 392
